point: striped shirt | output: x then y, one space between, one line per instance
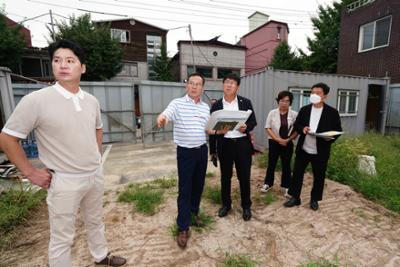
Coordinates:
190 121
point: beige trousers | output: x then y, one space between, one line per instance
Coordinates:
64 198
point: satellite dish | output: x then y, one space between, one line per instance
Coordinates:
132 22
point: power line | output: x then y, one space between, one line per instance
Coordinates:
162 19
233 18
265 7
224 7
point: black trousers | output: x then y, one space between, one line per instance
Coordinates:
236 151
276 151
192 167
318 168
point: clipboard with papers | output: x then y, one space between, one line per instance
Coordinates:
227 118
326 135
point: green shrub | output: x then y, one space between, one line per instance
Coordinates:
383 188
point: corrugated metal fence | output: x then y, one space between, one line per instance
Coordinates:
116 102
154 98
393 124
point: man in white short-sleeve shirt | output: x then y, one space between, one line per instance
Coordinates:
68 130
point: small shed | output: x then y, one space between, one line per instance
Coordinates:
362 101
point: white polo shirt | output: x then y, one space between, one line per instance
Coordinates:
65 128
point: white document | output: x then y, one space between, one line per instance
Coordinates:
327 134
222 118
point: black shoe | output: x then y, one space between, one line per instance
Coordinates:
292 202
223 211
246 214
314 205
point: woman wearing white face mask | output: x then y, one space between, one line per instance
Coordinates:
314 118
278 126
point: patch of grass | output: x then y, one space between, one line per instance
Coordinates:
265 198
165 183
232 260
145 198
213 194
261 159
206 224
210 174
322 263
15 206
383 188
173 229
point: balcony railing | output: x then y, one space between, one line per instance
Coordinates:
357 4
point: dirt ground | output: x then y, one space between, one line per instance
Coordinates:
347 227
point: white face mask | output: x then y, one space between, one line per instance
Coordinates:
315 99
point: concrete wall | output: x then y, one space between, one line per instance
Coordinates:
262 89
204 56
133 72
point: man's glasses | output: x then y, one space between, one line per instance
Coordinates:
192 84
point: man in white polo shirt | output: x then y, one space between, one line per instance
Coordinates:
68 130
190 116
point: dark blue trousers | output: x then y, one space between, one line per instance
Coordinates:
192 167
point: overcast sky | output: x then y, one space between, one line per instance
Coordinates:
208 18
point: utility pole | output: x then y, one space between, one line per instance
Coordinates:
53 33
191 44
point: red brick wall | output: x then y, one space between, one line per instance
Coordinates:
377 62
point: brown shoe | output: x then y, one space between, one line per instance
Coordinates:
112 261
182 238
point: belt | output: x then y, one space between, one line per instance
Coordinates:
196 147
234 140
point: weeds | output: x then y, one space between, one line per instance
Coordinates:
145 198
322 263
383 188
15 206
265 199
210 174
213 194
232 260
206 222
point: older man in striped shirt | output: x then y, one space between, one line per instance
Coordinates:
190 116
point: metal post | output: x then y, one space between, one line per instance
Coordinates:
53 33
191 44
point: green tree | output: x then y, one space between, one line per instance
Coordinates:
162 65
285 59
12 44
103 53
324 46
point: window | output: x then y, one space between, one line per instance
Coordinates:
122 36
46 67
375 34
205 71
223 72
301 97
153 48
348 102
